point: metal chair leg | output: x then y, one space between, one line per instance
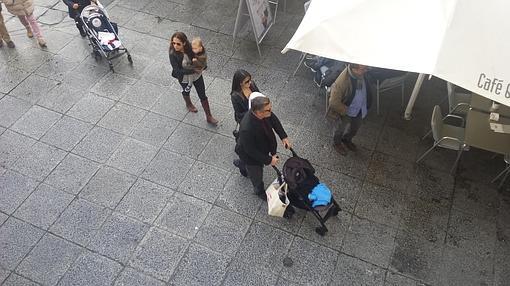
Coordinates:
506 170
426 153
303 56
504 179
454 167
377 97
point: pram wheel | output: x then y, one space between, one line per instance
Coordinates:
130 59
321 230
111 67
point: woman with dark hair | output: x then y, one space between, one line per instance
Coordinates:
180 47
242 87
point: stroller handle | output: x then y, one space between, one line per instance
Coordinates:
279 174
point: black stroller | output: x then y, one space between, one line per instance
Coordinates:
300 177
102 35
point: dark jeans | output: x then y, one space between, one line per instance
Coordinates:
347 128
255 173
199 87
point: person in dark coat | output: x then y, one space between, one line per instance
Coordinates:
257 142
74 8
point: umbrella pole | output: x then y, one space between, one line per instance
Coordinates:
414 95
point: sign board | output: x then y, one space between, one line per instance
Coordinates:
261 15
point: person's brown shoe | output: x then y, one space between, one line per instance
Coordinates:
351 146
340 149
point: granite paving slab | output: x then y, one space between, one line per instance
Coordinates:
159 253
240 273
39 161
154 129
66 133
265 246
11 109
183 215
14 189
91 269
99 144
118 237
43 206
132 156
80 222
91 108
313 264
353 271
36 121
107 187
32 88
200 266
168 169
72 174
188 140
369 241
49 259
204 182
17 280
223 231
144 201
131 277
16 240
122 118
12 146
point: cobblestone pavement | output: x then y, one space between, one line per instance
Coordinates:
106 179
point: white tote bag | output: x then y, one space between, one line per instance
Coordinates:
275 207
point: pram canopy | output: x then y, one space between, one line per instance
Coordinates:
97 23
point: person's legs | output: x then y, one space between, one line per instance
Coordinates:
187 99
36 30
79 26
353 129
241 166
200 88
4 35
255 173
24 21
341 128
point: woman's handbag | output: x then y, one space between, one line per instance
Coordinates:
277 200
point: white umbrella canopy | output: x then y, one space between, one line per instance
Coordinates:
465 42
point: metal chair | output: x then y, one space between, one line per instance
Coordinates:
505 172
458 102
446 136
391 83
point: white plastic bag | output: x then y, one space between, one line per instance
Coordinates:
275 207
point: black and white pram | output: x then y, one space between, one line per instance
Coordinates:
102 35
300 177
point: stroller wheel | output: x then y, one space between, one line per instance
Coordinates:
111 67
97 55
321 230
130 59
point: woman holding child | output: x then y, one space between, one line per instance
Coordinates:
188 60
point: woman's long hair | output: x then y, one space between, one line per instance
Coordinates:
239 76
186 44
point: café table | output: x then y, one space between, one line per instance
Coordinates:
484 104
478 133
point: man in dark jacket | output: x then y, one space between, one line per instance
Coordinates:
75 7
257 142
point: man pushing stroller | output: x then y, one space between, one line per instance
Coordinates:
75 7
257 142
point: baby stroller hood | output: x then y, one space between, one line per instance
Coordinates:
296 170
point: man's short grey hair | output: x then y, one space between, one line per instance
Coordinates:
259 103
